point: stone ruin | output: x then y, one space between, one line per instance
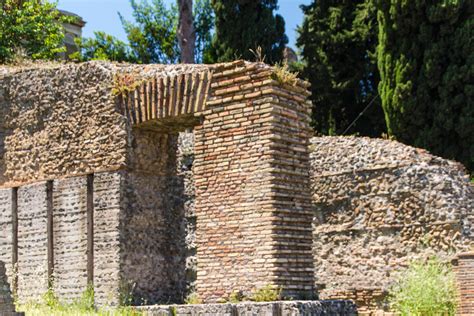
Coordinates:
99 184
91 193
7 308
378 206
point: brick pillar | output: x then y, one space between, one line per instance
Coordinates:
464 268
252 185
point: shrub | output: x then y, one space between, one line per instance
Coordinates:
193 298
425 288
268 293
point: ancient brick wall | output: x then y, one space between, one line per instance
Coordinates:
109 131
464 269
385 204
250 158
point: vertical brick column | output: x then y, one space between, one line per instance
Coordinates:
252 186
464 268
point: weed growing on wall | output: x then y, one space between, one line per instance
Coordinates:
268 293
282 74
193 298
425 288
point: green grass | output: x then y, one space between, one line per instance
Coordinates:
84 306
425 288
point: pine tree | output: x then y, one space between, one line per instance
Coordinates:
244 25
426 63
338 42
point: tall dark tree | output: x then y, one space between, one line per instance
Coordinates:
426 63
186 34
338 40
244 25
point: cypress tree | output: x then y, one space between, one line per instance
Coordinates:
244 25
426 63
338 40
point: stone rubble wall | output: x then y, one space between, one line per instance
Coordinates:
6 234
251 170
70 237
59 121
385 204
32 243
152 232
284 308
7 308
108 206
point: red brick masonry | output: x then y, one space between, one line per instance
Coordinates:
464 267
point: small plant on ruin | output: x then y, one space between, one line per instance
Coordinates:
86 301
268 293
282 74
125 83
126 293
425 288
236 297
193 298
258 54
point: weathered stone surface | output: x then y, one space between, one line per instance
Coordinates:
70 237
378 205
119 124
283 308
7 308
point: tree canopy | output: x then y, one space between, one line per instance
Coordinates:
152 35
338 40
244 25
31 28
426 63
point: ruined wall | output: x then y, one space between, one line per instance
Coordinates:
42 109
108 206
70 237
246 147
32 242
6 242
378 205
152 233
6 301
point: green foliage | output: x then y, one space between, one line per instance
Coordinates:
283 74
193 298
102 47
84 306
203 26
236 297
32 27
152 36
426 64
268 293
242 25
425 289
338 41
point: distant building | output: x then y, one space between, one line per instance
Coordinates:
72 30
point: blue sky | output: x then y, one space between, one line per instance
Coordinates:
101 15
